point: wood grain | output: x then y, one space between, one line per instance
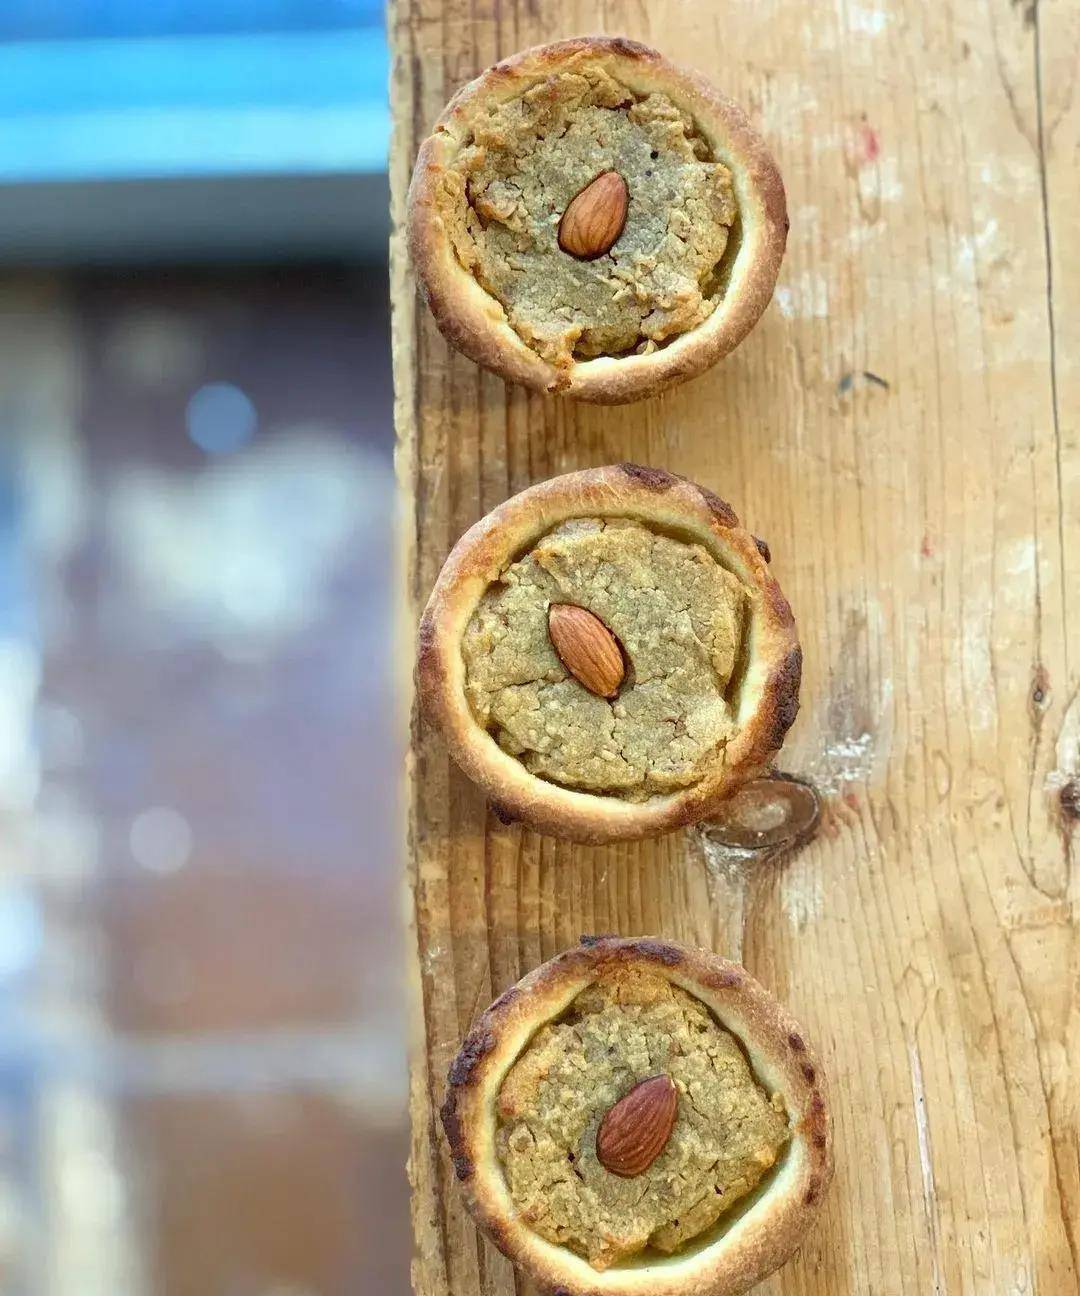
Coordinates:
904 428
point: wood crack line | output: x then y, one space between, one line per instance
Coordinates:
1040 119
926 1164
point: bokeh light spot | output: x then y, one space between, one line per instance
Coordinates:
221 418
160 839
20 931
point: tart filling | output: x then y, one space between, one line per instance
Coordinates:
727 1133
503 197
680 618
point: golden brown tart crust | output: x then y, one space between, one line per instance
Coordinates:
764 703
754 1242
475 322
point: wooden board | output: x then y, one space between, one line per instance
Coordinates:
903 428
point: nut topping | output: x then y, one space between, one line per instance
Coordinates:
595 217
587 648
636 1130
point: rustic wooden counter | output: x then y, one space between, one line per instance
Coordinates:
903 429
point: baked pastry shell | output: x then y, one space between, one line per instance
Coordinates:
758 1240
475 322
767 698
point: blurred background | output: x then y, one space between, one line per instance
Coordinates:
202 1036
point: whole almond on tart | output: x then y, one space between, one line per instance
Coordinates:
595 217
636 1130
587 648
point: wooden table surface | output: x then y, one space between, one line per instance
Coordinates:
902 426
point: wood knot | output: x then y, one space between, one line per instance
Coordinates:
771 814
1040 690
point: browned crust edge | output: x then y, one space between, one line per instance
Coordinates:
476 324
770 697
780 1053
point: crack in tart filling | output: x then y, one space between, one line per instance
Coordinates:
634 1116
585 206
607 654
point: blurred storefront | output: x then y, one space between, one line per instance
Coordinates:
202 1031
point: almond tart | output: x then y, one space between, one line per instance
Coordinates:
608 656
588 219
635 1117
